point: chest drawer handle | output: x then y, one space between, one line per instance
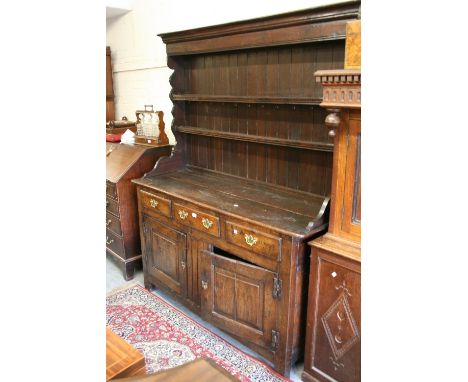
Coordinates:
107 202
204 284
207 223
183 264
183 214
108 222
153 203
250 240
109 241
338 339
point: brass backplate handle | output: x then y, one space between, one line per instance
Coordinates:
250 240
183 214
108 222
207 223
153 203
109 241
204 284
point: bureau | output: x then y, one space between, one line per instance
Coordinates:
225 220
123 163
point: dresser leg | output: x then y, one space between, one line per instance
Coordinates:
147 284
129 271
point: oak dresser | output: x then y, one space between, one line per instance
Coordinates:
226 219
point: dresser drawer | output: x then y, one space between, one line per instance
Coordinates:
199 220
113 223
115 243
155 204
253 240
111 189
112 206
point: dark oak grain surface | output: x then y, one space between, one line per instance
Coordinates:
287 211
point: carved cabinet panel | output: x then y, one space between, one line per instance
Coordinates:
238 297
165 255
333 340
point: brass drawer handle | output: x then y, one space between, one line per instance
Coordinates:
109 241
183 214
107 202
338 339
182 264
108 222
204 284
207 223
153 203
250 240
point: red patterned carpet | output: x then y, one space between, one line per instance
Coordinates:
168 338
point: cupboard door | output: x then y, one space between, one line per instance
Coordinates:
165 255
238 297
335 317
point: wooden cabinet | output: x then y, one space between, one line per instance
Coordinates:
333 339
333 351
249 181
123 163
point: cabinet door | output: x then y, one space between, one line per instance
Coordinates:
238 297
333 349
165 255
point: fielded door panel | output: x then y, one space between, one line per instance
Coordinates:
166 255
238 297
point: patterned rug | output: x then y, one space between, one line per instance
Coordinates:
168 338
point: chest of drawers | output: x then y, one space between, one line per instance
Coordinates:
123 163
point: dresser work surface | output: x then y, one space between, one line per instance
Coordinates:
290 212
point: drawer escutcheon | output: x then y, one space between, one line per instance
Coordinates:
183 214
153 203
207 223
250 239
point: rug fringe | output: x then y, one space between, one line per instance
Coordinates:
122 287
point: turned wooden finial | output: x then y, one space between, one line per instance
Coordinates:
332 121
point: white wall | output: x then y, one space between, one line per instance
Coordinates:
141 76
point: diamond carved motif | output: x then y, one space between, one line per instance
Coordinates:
340 327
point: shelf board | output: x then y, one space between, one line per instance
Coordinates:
320 146
247 99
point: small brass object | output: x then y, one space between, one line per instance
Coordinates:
108 222
204 284
153 203
250 240
183 214
182 264
109 241
207 223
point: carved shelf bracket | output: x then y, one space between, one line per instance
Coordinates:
341 89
